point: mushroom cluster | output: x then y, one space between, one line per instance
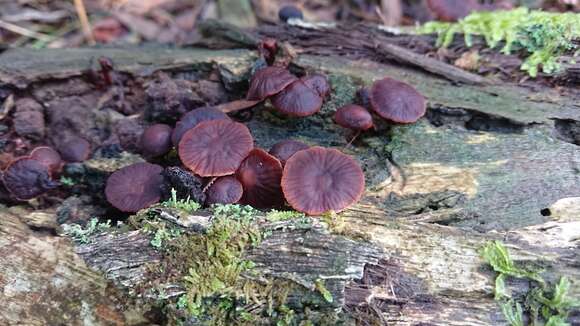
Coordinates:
220 152
30 176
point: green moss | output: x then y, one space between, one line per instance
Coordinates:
81 234
544 304
277 216
186 205
343 92
545 36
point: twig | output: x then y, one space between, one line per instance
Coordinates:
85 24
25 32
431 65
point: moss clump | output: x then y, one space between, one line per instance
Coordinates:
544 36
545 305
82 234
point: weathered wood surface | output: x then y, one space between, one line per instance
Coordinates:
486 157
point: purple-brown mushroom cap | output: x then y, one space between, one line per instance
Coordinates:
452 10
135 187
354 117
76 149
48 157
225 190
192 119
215 148
318 180
284 149
297 100
269 81
26 178
260 174
156 140
396 101
317 82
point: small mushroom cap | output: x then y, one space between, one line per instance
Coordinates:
396 101
297 100
76 149
215 148
452 10
225 190
288 12
135 187
156 140
354 117
192 119
317 82
283 150
26 178
260 174
48 157
269 81
318 180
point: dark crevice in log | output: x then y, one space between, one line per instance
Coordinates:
568 130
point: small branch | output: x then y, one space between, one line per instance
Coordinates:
24 32
85 24
431 65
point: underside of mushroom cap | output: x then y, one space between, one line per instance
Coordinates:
135 187
269 81
318 180
297 100
260 174
215 148
193 118
397 101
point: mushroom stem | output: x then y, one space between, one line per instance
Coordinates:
237 105
352 139
209 183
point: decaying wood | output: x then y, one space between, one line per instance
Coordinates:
487 157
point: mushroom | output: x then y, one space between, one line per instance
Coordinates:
290 12
396 101
283 150
48 157
354 117
215 148
26 178
225 190
269 81
452 10
317 82
260 174
156 140
76 149
192 119
135 187
297 100
318 180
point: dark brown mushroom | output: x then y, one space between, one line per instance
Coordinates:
297 100
76 149
269 81
452 10
354 117
135 187
26 178
396 101
260 174
192 119
318 180
215 148
48 157
156 140
319 83
283 150
225 190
